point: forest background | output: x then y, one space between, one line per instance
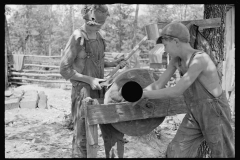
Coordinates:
45 29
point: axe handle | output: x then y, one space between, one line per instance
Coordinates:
130 55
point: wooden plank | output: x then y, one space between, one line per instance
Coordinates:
233 27
42 56
37 65
8 93
14 100
38 80
118 112
21 83
91 133
202 23
229 52
35 74
40 71
42 103
12 103
29 100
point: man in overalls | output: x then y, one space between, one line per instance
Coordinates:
83 63
209 114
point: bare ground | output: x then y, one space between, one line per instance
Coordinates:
42 133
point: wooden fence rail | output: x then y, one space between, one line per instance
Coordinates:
39 56
47 76
39 80
35 74
38 65
39 71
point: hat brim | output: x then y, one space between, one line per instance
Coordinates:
159 40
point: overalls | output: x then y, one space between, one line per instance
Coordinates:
94 67
208 118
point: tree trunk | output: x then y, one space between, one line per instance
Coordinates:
120 30
215 36
7 38
50 35
7 51
70 18
135 26
28 34
185 13
73 24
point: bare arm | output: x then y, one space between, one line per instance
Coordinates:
109 64
120 61
197 66
164 78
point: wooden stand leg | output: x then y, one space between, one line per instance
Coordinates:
91 133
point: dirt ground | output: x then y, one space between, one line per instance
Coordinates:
42 133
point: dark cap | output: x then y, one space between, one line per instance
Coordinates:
175 30
95 14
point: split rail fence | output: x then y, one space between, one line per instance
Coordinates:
45 69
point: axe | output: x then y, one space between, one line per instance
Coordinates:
152 34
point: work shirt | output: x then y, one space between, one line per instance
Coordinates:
76 56
86 59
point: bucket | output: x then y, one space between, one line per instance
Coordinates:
152 31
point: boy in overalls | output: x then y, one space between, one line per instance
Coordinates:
83 63
209 114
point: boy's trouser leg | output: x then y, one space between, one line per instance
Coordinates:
79 149
216 128
211 122
79 140
110 137
187 139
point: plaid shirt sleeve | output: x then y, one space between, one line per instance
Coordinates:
70 53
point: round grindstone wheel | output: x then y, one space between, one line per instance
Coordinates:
142 77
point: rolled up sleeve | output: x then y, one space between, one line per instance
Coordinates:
70 53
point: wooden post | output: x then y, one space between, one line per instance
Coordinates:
91 130
6 69
230 52
202 23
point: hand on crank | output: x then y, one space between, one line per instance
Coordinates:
94 83
121 61
143 97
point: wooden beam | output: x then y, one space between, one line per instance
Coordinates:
118 112
37 65
202 23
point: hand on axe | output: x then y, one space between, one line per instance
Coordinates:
121 62
95 83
